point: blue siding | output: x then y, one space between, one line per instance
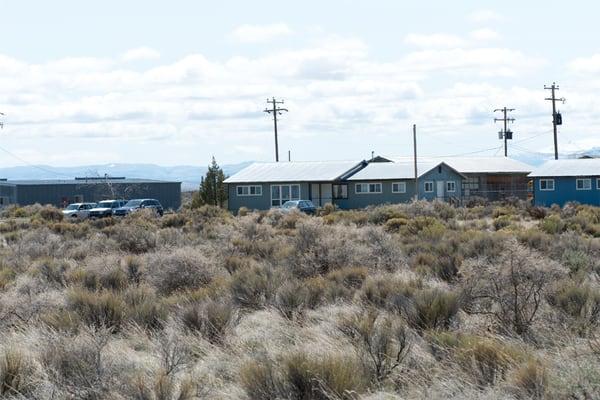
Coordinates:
565 190
263 202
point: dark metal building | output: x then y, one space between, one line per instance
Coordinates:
62 192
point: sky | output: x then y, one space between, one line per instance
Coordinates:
177 82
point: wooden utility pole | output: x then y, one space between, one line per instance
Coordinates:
556 116
276 110
505 134
415 161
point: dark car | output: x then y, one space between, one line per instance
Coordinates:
305 206
105 208
139 204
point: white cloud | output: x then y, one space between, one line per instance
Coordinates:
260 33
434 40
480 16
586 65
484 34
141 53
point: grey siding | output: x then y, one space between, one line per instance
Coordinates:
168 193
263 202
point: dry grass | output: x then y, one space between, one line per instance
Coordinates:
420 300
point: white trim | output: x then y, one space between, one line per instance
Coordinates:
281 199
249 194
547 181
401 187
425 186
368 191
453 186
583 180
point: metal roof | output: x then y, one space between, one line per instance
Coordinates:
294 171
79 181
481 165
568 167
393 170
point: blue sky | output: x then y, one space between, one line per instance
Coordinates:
176 82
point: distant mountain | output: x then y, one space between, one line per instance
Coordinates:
540 158
188 175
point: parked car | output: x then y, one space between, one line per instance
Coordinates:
78 210
138 204
305 206
105 208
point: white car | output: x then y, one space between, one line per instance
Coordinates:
105 208
78 210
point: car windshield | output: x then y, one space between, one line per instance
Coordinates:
133 203
104 204
73 207
290 204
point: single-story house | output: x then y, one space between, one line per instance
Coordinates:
562 181
261 186
386 182
493 178
85 189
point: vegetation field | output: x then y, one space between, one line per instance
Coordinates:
426 301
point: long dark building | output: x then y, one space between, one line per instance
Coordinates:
63 192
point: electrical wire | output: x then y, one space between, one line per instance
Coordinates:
33 165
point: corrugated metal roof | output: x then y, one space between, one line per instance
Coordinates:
482 165
393 170
17 182
568 167
295 171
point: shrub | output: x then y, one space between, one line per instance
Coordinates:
144 307
98 309
395 224
252 287
261 380
552 224
536 212
49 213
578 301
210 318
132 237
532 379
390 293
349 277
502 222
291 298
182 269
381 214
53 271
16 374
176 220
434 309
135 268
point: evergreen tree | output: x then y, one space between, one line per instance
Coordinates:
212 189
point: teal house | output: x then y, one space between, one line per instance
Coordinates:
562 181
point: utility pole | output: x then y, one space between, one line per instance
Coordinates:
505 134
276 110
415 161
556 116
2 122
289 155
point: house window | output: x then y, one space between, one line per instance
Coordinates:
471 183
598 183
429 187
451 186
364 188
398 187
282 193
249 190
546 184
584 184
340 191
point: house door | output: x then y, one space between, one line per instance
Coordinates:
315 194
440 190
326 193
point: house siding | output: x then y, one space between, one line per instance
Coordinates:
263 202
362 200
565 190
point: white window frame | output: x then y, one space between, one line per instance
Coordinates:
257 190
547 181
368 186
583 180
401 186
425 184
453 190
343 189
281 199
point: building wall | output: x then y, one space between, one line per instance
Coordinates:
8 194
496 186
263 202
565 190
168 193
361 200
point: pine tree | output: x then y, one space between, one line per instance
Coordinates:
212 189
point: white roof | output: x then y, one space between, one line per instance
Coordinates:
392 170
568 167
481 165
295 171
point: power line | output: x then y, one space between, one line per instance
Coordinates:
556 116
505 133
33 165
275 110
